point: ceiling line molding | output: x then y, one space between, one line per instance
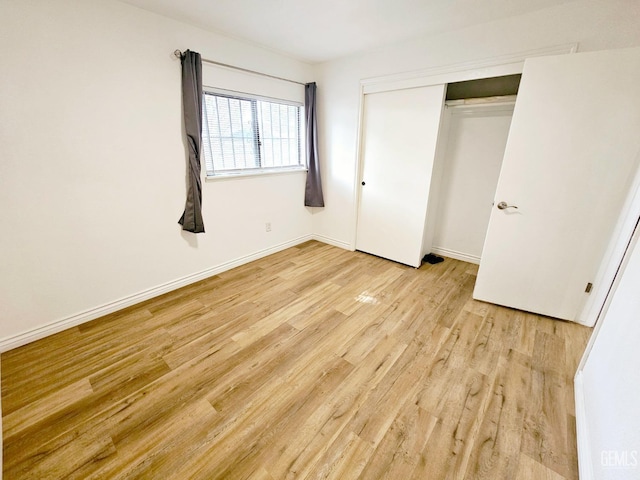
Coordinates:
509 64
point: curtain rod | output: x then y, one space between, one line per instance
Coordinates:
178 54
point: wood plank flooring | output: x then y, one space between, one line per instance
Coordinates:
311 363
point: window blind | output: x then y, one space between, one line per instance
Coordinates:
241 134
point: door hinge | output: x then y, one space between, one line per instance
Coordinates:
589 287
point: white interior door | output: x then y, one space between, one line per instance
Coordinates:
400 132
570 156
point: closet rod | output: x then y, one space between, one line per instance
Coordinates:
178 54
482 102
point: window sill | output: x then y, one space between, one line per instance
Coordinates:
258 173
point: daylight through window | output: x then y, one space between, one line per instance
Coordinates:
245 135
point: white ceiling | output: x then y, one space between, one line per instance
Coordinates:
321 30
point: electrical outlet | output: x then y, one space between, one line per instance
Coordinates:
267 227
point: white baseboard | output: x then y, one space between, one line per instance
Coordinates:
585 467
29 336
465 257
333 241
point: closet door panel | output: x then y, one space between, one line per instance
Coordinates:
400 132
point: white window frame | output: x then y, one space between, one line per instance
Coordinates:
211 174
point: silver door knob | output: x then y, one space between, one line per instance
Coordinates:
503 205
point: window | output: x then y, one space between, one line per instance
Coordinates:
247 135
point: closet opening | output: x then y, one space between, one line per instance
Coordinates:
476 123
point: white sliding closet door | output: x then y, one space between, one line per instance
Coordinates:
399 142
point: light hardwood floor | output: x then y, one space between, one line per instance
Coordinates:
311 363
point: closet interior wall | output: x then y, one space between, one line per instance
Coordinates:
473 141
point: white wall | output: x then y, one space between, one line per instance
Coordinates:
92 170
609 424
471 166
595 24
92 161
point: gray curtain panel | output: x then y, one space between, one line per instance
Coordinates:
191 219
313 190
